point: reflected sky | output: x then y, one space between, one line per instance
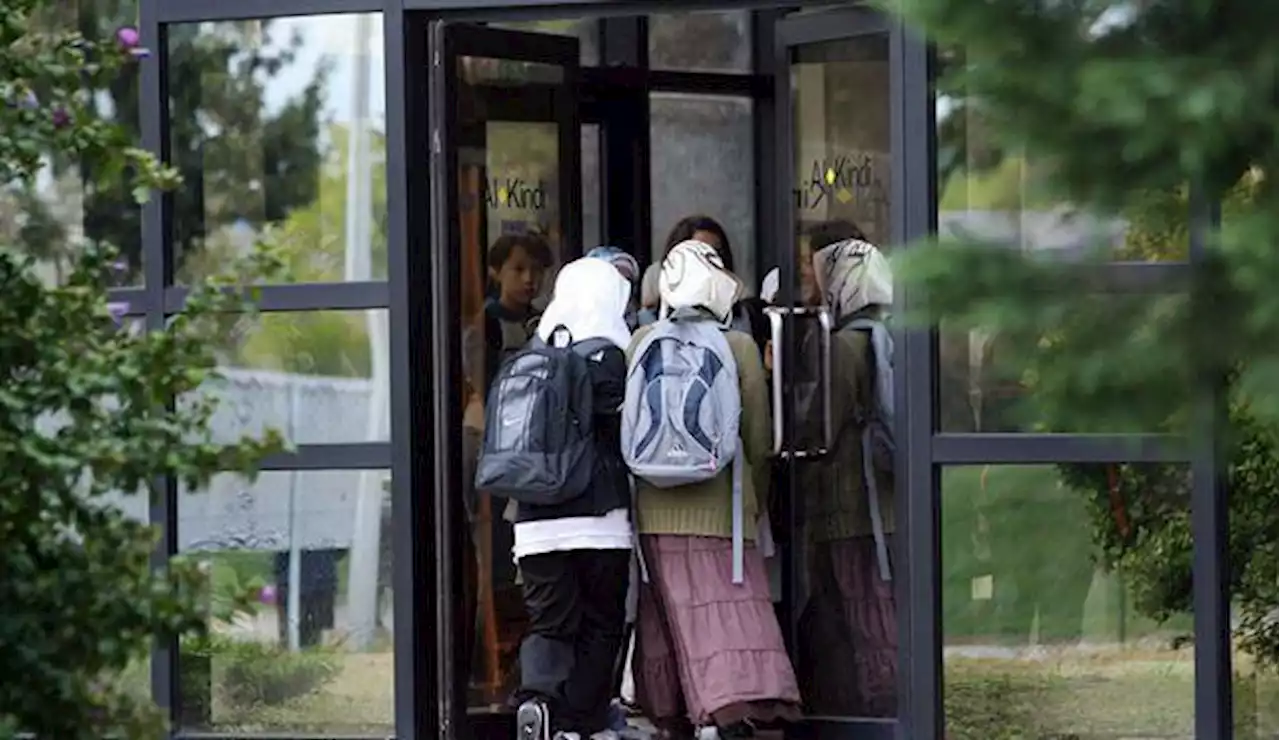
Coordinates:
332 37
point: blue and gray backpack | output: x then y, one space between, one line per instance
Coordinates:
682 410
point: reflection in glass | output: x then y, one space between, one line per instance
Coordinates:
316 377
586 30
1043 635
315 658
64 210
701 42
989 381
592 191
522 185
511 242
843 154
993 193
277 127
703 162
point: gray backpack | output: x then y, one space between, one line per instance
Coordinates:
878 445
681 411
539 445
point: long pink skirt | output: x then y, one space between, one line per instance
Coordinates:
708 648
849 633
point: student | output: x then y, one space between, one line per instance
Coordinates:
709 650
649 298
516 265
575 556
748 313
626 266
849 623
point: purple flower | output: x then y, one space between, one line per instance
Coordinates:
267 594
127 37
61 118
28 100
118 309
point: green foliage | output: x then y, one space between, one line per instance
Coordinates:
267 674
1123 105
87 414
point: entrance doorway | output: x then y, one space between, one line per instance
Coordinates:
537 158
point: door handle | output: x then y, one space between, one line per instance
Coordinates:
828 434
774 314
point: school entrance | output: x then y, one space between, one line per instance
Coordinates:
535 126
385 146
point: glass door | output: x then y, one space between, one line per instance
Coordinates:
836 169
506 199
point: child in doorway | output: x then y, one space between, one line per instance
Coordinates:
516 265
575 556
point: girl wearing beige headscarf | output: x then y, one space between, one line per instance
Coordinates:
849 618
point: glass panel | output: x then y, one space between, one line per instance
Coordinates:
1252 474
316 377
592 190
843 151
59 214
997 194
522 192
701 42
511 241
317 659
703 163
586 30
846 625
1047 634
988 381
278 129
507 72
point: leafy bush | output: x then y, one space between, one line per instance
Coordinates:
249 673
87 415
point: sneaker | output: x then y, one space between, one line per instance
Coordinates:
609 734
563 735
532 721
617 717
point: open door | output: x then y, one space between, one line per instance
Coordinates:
505 162
834 103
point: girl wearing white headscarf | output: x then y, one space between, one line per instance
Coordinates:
575 557
850 613
709 652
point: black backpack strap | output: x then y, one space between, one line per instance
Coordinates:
588 347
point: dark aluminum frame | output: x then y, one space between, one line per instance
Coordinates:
416 393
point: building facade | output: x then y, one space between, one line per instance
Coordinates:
383 144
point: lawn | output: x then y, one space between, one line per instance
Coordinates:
1041 644
1138 693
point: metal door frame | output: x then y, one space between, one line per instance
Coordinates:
911 218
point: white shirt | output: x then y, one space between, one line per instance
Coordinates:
611 531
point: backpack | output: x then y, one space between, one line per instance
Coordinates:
681 411
539 445
878 445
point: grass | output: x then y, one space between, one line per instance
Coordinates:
1140 693
1029 541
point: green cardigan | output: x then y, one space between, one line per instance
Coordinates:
706 509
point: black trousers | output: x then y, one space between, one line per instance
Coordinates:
577 604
